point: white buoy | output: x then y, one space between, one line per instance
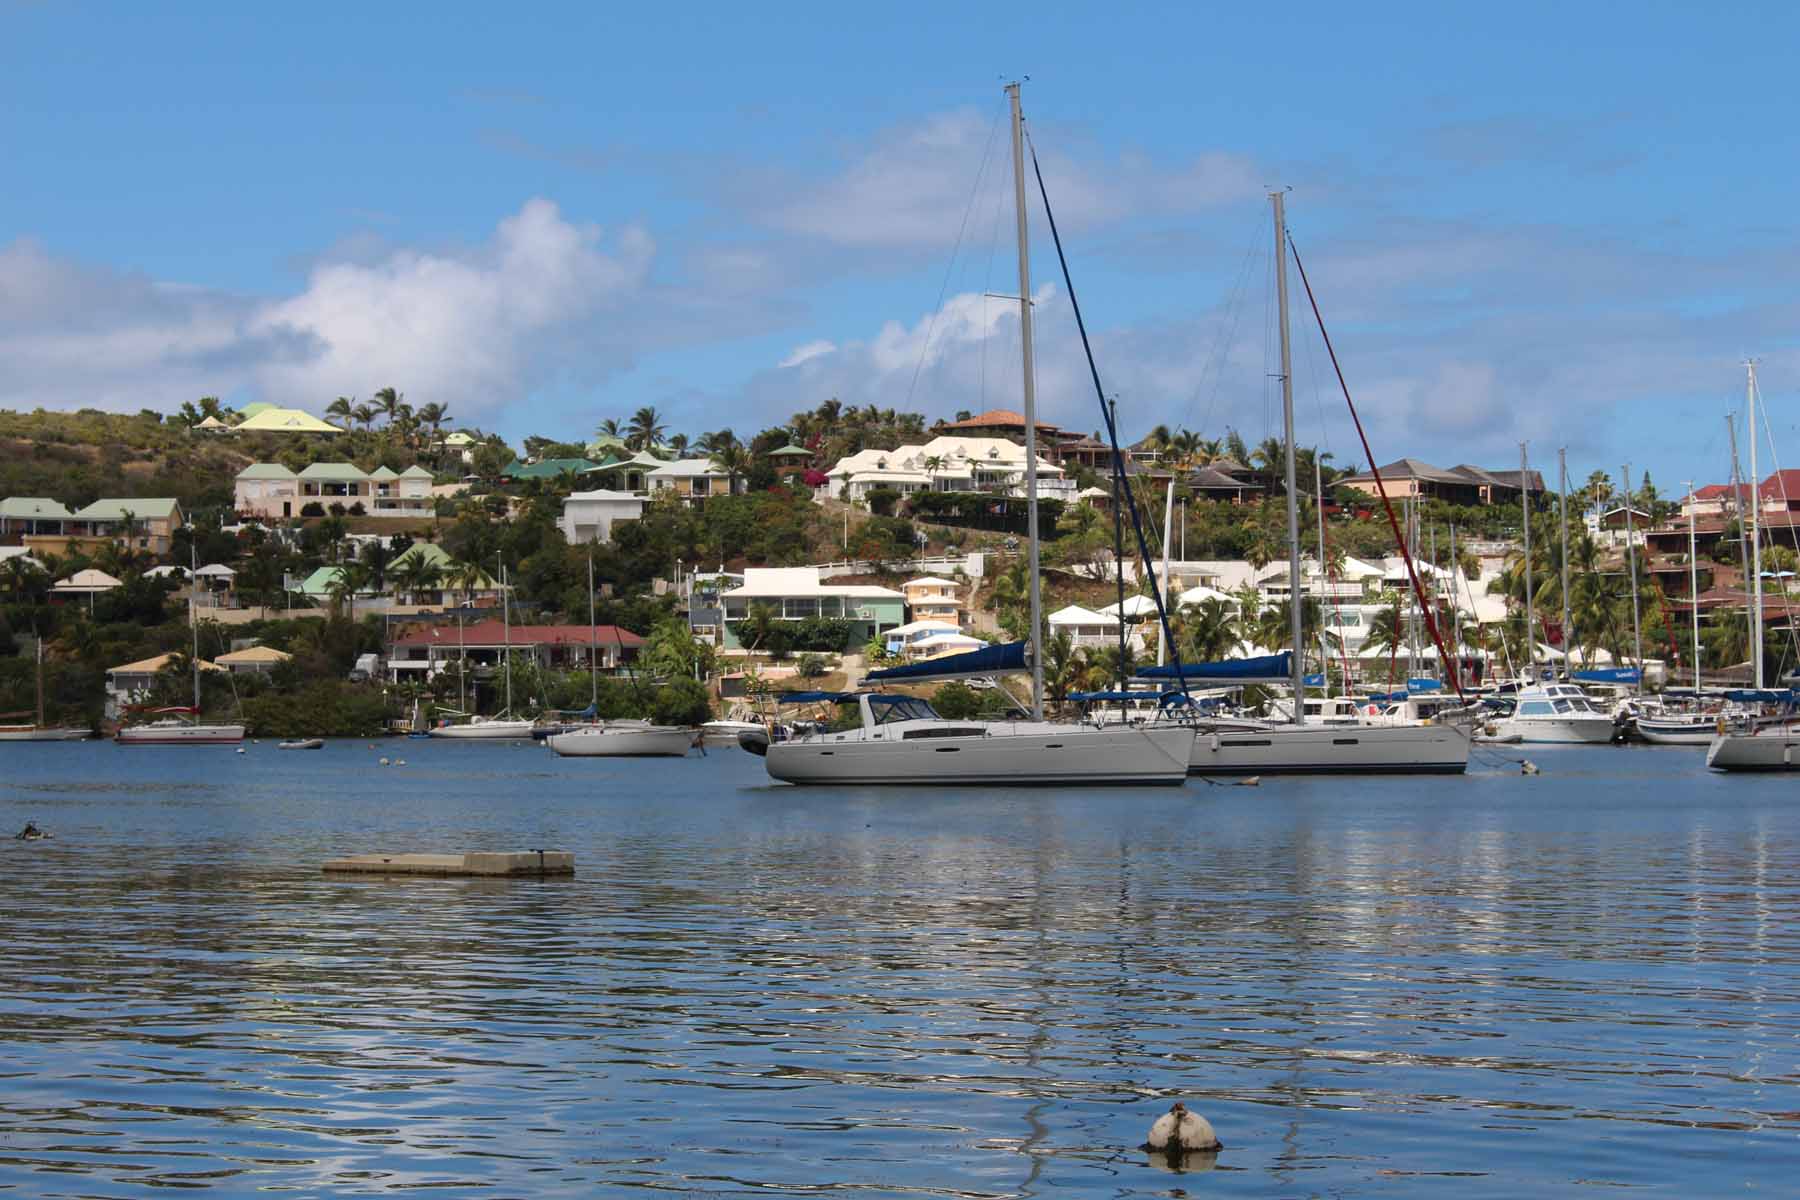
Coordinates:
383 760
241 750
1527 767
1179 1131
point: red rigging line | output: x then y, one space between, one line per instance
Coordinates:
1412 571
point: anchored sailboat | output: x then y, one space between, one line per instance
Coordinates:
40 732
171 729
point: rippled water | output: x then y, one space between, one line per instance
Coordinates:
1492 986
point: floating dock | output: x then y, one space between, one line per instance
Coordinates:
523 864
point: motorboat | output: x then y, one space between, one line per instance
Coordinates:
301 744
1682 729
1558 713
725 732
623 739
487 728
896 739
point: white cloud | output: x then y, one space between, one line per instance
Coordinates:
477 329
807 351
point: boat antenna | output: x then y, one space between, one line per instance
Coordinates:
1112 429
1033 649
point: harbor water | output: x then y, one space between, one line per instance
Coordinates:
1496 985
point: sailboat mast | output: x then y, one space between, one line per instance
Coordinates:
593 641
1324 582
1756 637
1030 395
1562 518
1530 608
1162 639
1637 636
1297 670
1694 588
194 624
40 682
506 626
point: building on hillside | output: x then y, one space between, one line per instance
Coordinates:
420 652
1085 626
28 516
627 474
798 594
997 422
131 684
549 468
929 598
140 523
267 490
460 444
1464 485
272 492
1085 451
283 420
790 459
901 638
693 480
1716 500
254 660
590 516
944 464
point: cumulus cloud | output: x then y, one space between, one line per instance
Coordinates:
476 328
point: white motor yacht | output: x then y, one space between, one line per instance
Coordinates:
485 727
1558 713
894 739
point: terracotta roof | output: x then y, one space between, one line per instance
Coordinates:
493 633
995 418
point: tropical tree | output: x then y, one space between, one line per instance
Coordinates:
364 414
1062 666
646 430
343 408
1389 630
1206 632
465 576
735 461
387 403
609 428
416 574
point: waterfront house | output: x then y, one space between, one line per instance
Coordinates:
944 464
798 593
422 651
129 684
900 639
589 516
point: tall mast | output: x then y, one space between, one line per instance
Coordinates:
1637 636
1297 672
1162 640
1530 608
506 625
1694 588
593 641
1030 390
1119 552
1756 639
1456 644
1562 517
194 623
1324 583
40 682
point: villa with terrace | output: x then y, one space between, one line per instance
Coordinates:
944 464
274 492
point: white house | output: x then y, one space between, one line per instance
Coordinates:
272 491
797 593
1085 626
589 516
945 464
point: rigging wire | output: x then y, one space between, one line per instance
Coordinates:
949 267
1214 365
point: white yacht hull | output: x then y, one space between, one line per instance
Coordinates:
1569 731
599 741
1001 754
1773 750
1437 749
725 733
517 730
30 733
179 734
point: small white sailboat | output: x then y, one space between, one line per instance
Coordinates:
182 726
623 739
504 726
38 731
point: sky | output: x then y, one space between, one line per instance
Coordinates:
1562 224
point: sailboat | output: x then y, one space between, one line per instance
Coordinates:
617 738
1236 747
1776 747
502 726
897 739
182 726
40 732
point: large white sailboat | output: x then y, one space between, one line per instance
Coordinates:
902 740
1227 747
182 726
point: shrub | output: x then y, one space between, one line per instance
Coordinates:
337 508
357 509
681 702
812 666
312 508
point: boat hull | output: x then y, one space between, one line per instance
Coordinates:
1042 757
664 742
33 734
180 735
1557 731
514 730
1677 733
1773 751
1438 749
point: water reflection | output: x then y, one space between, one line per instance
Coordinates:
1365 987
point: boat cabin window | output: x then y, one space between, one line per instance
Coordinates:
1535 708
888 709
1563 706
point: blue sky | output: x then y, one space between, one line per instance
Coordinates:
1553 222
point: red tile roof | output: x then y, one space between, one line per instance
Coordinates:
493 633
997 418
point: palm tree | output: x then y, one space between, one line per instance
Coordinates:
647 429
735 461
364 414
1062 665
465 577
343 408
416 574
679 444
387 402
1206 632
1389 631
609 428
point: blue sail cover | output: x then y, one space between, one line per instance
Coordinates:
812 697
1609 675
1270 668
989 660
1116 697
